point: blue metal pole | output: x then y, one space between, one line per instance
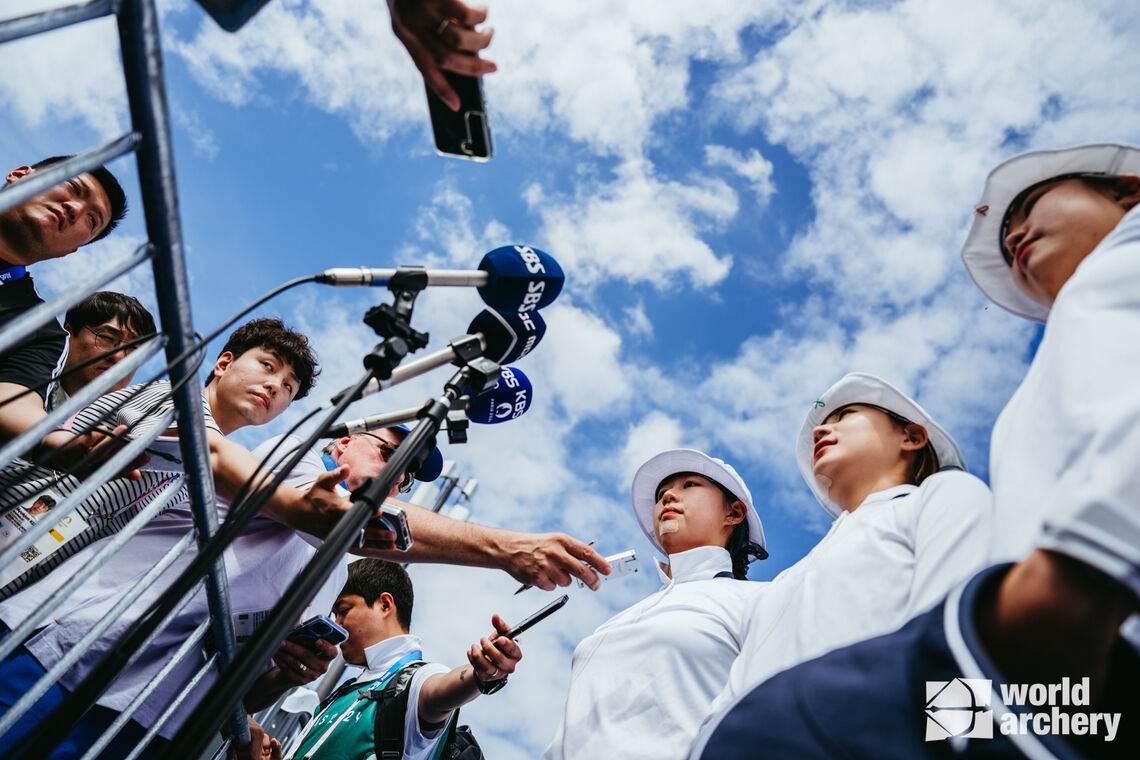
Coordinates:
142 67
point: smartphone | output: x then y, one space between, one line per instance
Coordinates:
538 617
319 627
393 518
465 133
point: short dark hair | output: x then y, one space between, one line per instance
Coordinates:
111 186
369 578
100 307
273 335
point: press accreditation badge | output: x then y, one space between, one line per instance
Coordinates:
19 520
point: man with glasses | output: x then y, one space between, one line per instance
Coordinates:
102 328
545 560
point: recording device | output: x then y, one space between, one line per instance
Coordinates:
510 397
538 617
391 518
319 627
465 133
621 565
513 278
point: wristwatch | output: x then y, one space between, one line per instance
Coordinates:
488 687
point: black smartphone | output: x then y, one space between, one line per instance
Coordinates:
465 133
539 616
319 627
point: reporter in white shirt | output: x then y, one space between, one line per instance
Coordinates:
909 524
641 684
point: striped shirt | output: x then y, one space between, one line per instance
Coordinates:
113 504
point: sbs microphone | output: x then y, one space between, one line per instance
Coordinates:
513 278
509 398
499 337
508 337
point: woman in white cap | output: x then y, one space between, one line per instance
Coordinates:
641 684
909 524
1055 239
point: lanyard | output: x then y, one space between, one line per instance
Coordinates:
330 465
11 274
378 684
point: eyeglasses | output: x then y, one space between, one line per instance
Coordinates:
111 341
386 451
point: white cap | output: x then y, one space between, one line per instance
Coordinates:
862 388
981 252
671 462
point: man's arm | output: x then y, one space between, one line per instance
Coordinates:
314 511
488 660
18 415
544 560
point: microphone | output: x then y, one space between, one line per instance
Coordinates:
513 278
507 399
499 337
509 337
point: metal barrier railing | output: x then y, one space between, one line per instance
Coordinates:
150 140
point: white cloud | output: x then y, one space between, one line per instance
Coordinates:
638 227
751 166
68 76
637 323
614 72
654 433
204 139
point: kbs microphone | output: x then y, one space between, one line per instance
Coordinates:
509 398
499 337
513 278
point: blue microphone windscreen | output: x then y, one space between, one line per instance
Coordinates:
509 398
521 279
509 337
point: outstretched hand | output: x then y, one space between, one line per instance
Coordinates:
440 36
547 560
494 657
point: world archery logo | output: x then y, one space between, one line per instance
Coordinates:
959 708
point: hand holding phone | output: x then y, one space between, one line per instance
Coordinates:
538 617
319 627
395 520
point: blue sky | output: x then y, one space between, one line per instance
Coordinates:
748 201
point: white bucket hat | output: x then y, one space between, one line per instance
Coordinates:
671 462
982 252
862 388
